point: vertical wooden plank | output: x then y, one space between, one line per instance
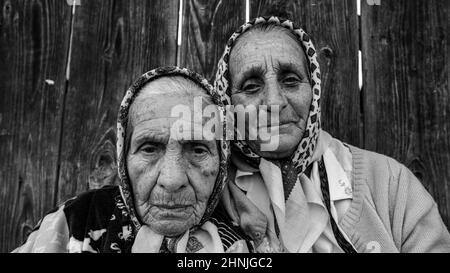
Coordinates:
333 25
114 42
207 25
406 88
33 49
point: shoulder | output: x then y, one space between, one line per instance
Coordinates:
105 193
373 173
374 157
376 166
373 168
388 180
92 208
98 199
364 160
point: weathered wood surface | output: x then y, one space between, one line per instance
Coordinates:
114 42
333 26
406 96
57 136
33 54
207 25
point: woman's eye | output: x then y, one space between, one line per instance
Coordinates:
199 150
150 148
291 81
251 87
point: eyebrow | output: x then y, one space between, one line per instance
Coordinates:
152 136
253 71
290 66
200 141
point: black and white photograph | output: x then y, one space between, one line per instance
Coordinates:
224 126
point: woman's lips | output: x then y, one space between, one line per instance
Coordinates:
164 206
173 211
279 125
287 124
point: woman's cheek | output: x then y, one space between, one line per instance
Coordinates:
141 175
245 100
301 100
202 175
145 185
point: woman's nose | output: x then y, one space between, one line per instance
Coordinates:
274 96
172 176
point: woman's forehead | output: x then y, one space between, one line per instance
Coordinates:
171 85
161 101
272 47
165 129
267 36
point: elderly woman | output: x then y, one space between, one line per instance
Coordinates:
312 193
169 185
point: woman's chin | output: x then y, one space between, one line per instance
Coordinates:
170 228
287 144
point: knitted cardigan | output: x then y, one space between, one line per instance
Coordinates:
391 211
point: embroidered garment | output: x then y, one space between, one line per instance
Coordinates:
105 220
98 221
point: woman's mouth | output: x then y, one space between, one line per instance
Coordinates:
282 125
174 212
175 206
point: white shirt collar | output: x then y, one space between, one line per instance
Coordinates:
339 183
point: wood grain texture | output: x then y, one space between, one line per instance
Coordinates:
333 26
207 25
406 89
114 42
57 136
33 55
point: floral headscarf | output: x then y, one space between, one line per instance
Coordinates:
122 124
302 156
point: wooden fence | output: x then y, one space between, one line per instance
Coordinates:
64 70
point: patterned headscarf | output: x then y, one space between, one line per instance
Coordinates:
122 125
301 158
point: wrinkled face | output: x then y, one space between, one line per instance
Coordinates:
172 179
270 68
